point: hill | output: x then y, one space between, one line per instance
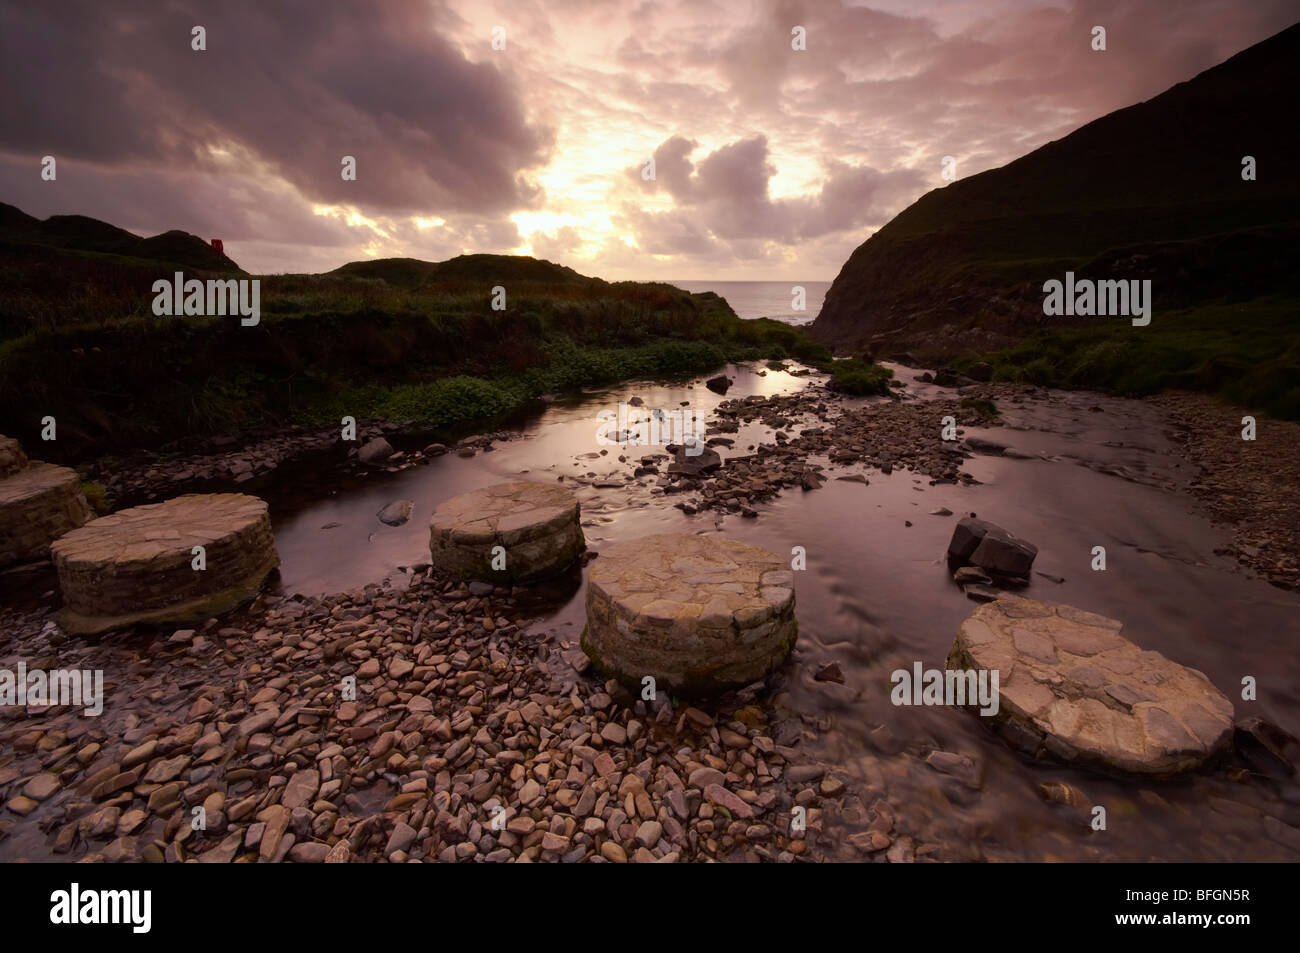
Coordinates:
78 233
1154 191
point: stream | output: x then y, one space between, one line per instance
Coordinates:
877 596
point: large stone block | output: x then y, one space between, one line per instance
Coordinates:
38 504
1071 686
535 524
700 614
137 565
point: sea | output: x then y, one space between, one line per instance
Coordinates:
766 299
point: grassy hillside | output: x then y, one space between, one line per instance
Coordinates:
400 339
1154 192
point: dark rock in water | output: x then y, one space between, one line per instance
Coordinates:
1051 578
966 536
980 372
980 445
684 464
635 402
434 449
990 547
947 377
1000 552
812 480
980 592
1266 747
331 526
926 378
970 574
719 384
396 513
376 451
830 673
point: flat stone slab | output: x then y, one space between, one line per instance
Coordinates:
535 524
137 565
700 614
38 503
1071 686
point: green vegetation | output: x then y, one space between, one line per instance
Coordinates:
985 408
859 377
967 262
1247 353
403 340
97 496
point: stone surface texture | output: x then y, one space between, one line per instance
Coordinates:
12 458
39 502
536 524
701 614
1073 687
136 565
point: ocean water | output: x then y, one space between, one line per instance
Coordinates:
766 299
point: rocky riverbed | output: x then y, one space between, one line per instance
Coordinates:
471 699
463 714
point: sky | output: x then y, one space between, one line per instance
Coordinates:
527 126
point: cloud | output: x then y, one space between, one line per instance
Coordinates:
296 85
728 197
767 159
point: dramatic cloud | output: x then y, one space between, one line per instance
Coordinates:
770 162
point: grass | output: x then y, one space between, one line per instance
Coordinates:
406 341
859 377
1248 354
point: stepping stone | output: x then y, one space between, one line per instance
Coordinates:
535 524
39 502
700 614
1071 686
136 565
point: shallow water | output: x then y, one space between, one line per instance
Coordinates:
877 596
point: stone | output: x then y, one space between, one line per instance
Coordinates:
136 565
701 614
403 836
990 447
536 524
966 536
41 787
648 833
301 789
12 457
39 502
396 513
719 796
958 766
1001 553
1267 748
1071 686
309 853
990 547
694 465
375 452
719 384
